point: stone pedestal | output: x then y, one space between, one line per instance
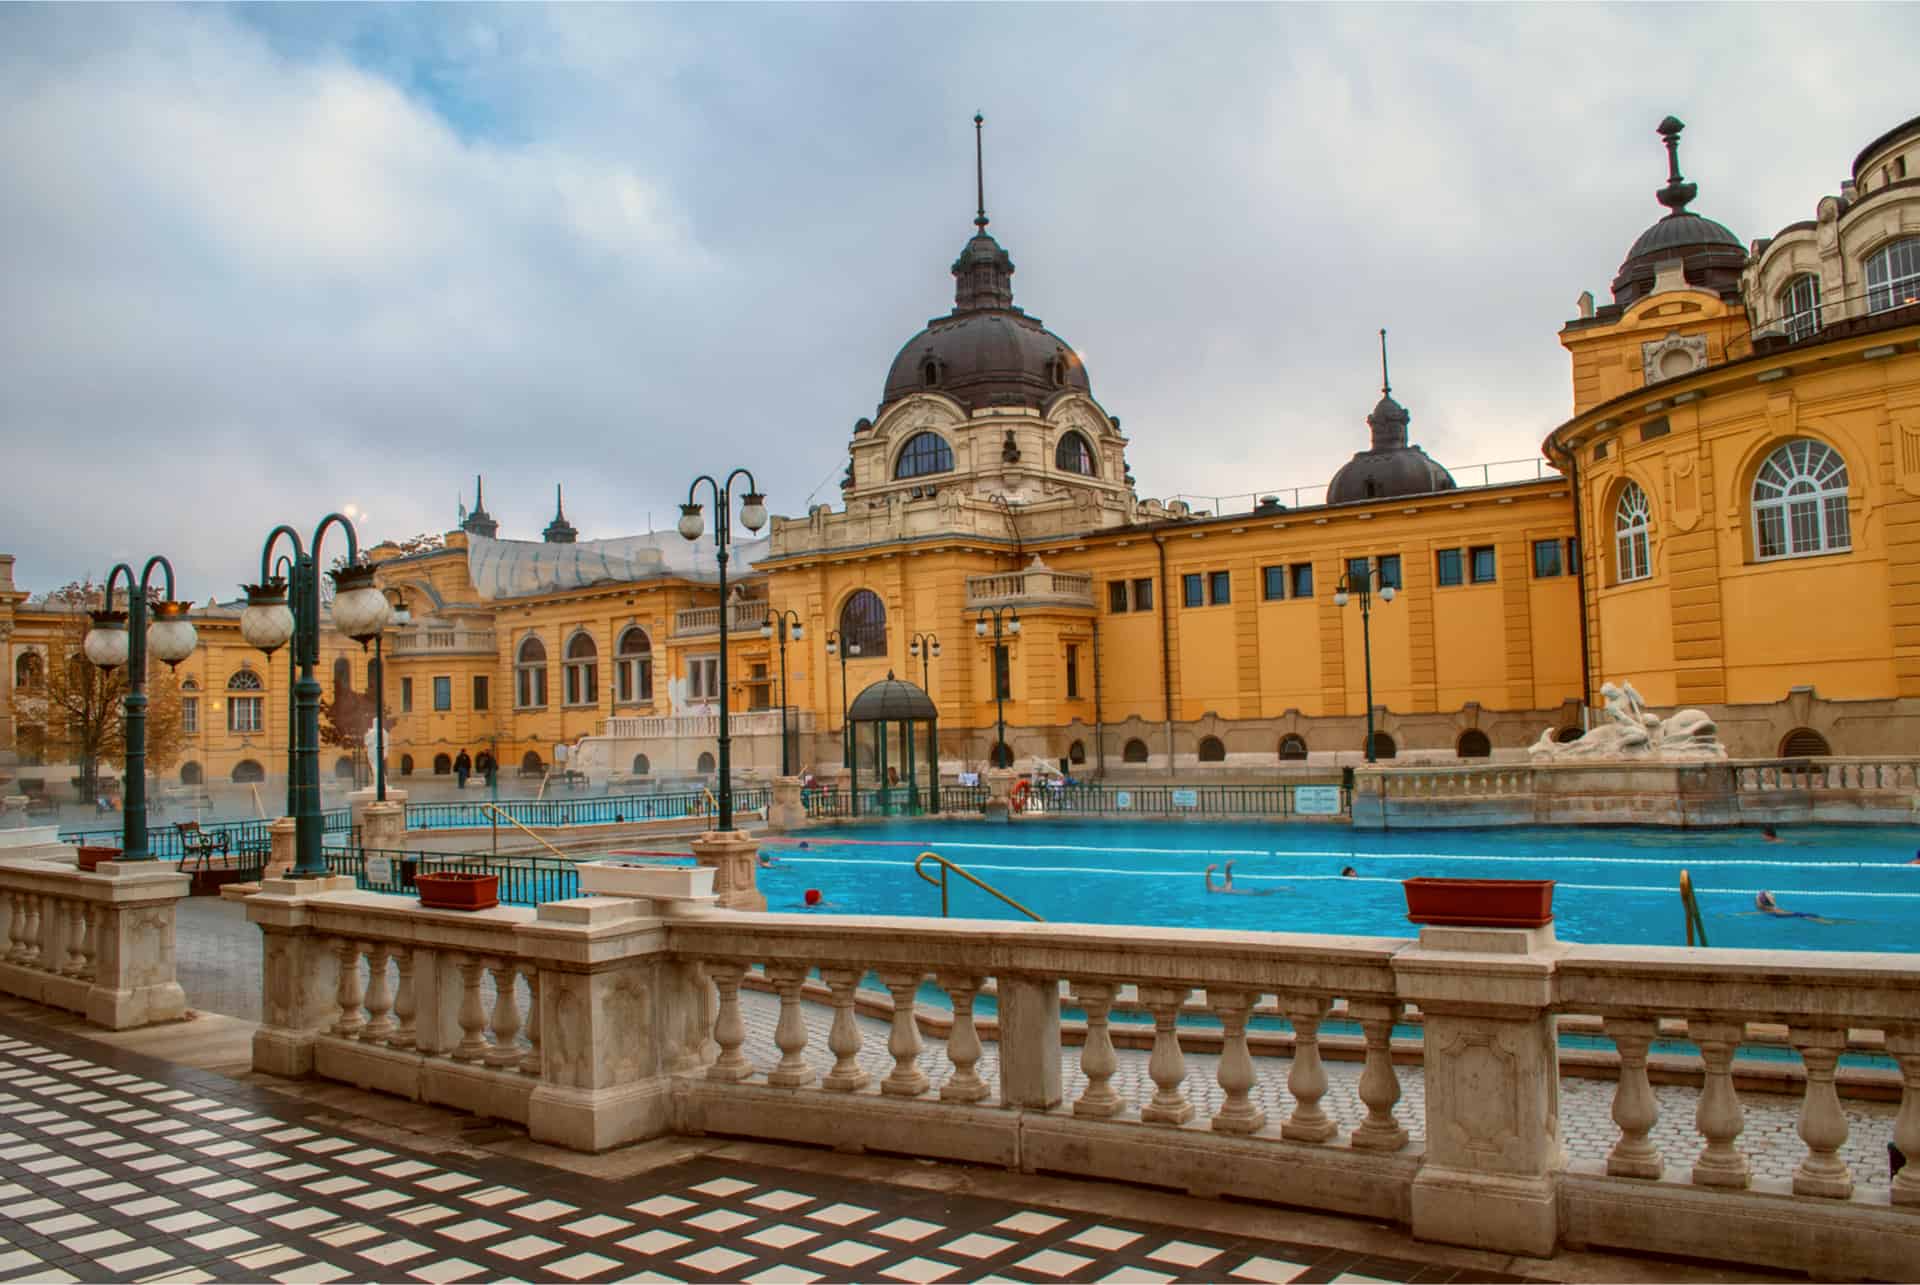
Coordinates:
384 825
734 856
1493 1163
133 979
360 801
787 810
298 971
1000 793
280 833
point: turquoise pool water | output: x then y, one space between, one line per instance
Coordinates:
1614 885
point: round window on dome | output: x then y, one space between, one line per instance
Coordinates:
1074 455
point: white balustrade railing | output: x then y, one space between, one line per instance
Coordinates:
598 1022
760 722
411 642
745 616
97 943
1037 584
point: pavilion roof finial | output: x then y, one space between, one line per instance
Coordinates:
979 175
1386 385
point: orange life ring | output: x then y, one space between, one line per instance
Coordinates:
1017 797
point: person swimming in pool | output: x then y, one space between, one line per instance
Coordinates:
1348 872
1227 887
1764 903
1769 835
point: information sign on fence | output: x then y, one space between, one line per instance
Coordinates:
1123 800
1186 798
379 870
1316 800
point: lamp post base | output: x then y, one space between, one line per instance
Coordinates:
734 856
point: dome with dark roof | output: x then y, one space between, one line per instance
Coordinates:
1713 256
891 701
1390 467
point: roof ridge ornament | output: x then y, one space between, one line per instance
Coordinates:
979 175
1386 385
1678 191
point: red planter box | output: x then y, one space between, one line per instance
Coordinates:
91 857
457 890
1480 903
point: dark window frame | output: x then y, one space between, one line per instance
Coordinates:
1481 556
1449 568
1219 588
1193 589
1273 583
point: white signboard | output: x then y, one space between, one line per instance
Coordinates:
379 870
1186 798
969 778
1316 800
1123 800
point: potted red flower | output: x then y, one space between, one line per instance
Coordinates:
91 856
1480 903
457 890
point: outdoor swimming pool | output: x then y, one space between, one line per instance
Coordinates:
1614 885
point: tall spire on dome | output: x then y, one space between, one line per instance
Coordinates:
1678 191
983 274
1386 385
480 522
1389 419
559 531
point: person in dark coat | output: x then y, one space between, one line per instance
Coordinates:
462 768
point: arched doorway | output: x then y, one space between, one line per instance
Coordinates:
1804 743
1212 750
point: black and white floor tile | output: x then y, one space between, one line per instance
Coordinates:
118 1167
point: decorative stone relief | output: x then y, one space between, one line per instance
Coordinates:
1483 1085
1673 356
1906 449
1686 492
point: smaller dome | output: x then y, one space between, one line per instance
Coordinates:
1374 475
891 701
1713 256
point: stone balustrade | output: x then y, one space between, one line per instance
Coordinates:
428 640
1035 585
99 943
747 615
758 722
633 1026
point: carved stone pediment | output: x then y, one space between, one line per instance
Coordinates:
1673 356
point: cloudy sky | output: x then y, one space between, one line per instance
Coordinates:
261 262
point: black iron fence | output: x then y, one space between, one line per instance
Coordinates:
524 881
164 841
611 809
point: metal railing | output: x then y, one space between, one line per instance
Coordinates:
611 809
524 881
1090 799
1465 477
1690 908
964 798
946 866
163 838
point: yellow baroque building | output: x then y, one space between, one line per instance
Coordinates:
1729 520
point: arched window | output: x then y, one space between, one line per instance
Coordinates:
640 765
1073 455
1293 748
1473 744
191 773
1804 743
342 675
924 453
1003 755
706 763
29 671
531 764
1632 517
581 670
1800 502
442 765
530 675
1893 275
1212 750
248 772
1077 752
1135 751
246 713
406 765
863 624
1799 304
1383 746
633 667
343 768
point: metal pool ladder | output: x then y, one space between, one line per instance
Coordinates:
920 868
1690 907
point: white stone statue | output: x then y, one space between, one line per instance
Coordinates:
369 742
1630 732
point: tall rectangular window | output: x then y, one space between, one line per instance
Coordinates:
1546 559
1220 588
1484 564
442 692
1273 583
1302 579
190 714
1143 594
1447 569
479 691
246 713
1193 590
1002 673
1073 671
406 696
703 678
1358 569
1116 596
1390 571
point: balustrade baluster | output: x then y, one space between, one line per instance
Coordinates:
379 996
1097 1060
76 934
16 924
963 1043
1307 1081
403 1001
30 954
906 1080
1823 1125
347 991
1167 1066
1904 1045
1379 1084
473 1014
530 1062
90 942
843 1040
505 1050
729 1029
1635 1110
1718 1117
1237 1114
790 1032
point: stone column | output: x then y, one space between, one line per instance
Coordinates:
1029 1041
734 856
297 973
133 977
280 833
384 825
786 812
1492 1170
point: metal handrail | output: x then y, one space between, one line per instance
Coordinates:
920 861
502 816
1690 908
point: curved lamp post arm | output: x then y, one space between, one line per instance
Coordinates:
266 550
341 521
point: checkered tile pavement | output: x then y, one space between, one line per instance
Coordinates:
118 1167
